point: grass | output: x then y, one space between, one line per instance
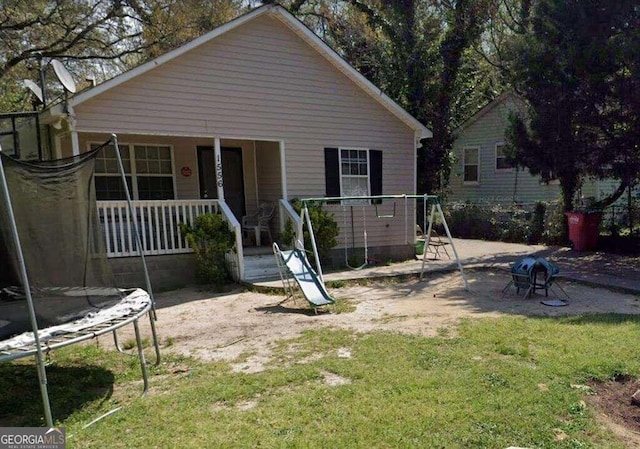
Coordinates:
131 343
343 306
490 383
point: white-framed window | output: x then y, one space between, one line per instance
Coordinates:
471 165
501 158
148 170
354 172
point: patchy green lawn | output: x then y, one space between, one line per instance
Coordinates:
488 383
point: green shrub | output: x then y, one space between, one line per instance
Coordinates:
507 223
514 223
210 238
325 230
472 221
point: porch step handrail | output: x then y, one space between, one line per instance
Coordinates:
292 215
238 270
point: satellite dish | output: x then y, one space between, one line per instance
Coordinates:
64 76
33 87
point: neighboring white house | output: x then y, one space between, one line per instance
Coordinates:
258 110
482 174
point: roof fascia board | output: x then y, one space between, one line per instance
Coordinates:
334 58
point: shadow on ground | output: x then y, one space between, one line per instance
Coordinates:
70 389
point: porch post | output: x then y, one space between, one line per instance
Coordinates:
75 143
57 145
283 171
218 157
283 180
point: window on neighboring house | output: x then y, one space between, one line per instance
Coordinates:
471 164
501 158
353 172
148 170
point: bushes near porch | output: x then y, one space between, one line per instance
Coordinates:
325 230
210 238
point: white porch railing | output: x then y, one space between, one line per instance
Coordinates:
159 227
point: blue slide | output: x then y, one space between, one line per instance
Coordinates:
312 287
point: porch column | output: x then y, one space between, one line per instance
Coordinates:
283 193
71 118
75 143
57 147
218 157
283 171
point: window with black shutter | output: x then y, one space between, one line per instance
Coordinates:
352 172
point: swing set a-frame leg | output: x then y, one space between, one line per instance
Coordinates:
434 207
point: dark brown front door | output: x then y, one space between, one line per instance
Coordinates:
232 177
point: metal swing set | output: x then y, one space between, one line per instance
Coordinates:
429 202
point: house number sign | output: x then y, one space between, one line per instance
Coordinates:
219 170
186 171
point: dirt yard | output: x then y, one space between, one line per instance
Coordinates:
224 326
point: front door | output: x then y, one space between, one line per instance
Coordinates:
232 177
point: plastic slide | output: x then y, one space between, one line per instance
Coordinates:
312 288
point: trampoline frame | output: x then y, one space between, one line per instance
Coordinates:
41 346
61 340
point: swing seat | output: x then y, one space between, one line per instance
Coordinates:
347 261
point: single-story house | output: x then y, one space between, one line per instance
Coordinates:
482 174
257 110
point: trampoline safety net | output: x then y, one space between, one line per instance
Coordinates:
56 216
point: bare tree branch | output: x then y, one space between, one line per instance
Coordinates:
71 29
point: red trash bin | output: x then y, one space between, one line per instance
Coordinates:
584 228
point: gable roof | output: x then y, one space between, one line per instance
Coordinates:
500 99
293 24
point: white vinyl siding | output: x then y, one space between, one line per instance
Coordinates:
267 177
486 132
260 82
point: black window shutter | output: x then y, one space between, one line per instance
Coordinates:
375 177
331 172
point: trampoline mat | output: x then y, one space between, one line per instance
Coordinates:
53 306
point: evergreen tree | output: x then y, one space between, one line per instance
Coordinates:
576 66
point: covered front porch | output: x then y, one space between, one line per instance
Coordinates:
242 172
173 179
159 220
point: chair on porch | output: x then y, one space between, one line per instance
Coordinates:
258 223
